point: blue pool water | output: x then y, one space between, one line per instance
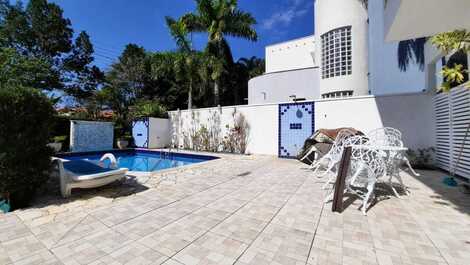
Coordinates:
141 160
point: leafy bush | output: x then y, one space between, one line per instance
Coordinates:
148 108
236 141
422 158
26 119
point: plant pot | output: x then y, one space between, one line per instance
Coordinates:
122 144
55 146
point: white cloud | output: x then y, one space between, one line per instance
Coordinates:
287 13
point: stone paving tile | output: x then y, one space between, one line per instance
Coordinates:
390 258
240 228
4 258
123 211
41 258
144 225
11 228
228 204
22 247
262 212
133 253
257 256
211 249
172 262
298 215
67 230
91 247
286 243
325 251
178 235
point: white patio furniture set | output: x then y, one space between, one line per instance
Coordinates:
375 156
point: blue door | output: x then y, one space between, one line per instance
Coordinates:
296 124
140 131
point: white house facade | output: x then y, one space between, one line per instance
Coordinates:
346 57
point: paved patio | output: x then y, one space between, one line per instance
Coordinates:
239 210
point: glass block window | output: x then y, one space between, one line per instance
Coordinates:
338 94
336 56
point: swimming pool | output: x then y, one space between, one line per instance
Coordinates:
142 160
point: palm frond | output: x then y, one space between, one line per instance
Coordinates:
179 33
240 24
194 23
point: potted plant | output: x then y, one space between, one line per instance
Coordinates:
123 142
57 144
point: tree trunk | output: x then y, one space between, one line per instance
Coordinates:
190 95
216 93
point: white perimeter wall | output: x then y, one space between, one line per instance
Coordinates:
290 55
158 133
385 76
263 120
412 114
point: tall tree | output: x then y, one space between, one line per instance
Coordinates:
82 80
41 34
220 18
126 82
188 61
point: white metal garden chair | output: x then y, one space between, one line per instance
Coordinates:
388 136
348 141
331 159
367 166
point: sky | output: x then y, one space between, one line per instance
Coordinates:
112 24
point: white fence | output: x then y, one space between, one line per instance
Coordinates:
410 113
452 114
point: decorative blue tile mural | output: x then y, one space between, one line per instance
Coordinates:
296 124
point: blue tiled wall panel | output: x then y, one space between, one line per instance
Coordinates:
296 124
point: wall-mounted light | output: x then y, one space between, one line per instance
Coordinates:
264 95
293 97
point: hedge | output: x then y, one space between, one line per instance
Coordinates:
26 120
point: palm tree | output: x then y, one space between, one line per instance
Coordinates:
220 18
254 66
188 62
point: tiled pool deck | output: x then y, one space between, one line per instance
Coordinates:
240 210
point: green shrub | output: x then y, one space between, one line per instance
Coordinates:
26 119
147 108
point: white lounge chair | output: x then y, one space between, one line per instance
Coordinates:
85 174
